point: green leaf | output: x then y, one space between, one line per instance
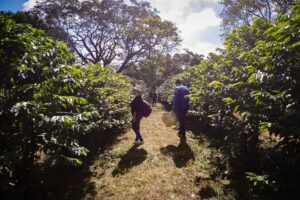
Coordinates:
252 79
236 108
73 162
236 84
215 84
296 44
229 100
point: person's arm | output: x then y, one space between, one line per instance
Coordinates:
134 109
186 95
133 117
175 102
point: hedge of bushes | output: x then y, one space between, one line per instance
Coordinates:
49 105
252 87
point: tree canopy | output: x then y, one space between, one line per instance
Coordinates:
235 13
159 67
109 32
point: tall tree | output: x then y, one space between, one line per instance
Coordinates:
159 67
235 13
110 32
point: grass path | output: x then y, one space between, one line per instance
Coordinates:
159 169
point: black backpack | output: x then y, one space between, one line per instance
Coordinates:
146 109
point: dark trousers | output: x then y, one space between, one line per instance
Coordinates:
181 116
154 102
136 128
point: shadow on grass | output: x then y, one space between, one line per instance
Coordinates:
62 183
58 181
133 157
207 192
231 164
166 106
181 154
232 161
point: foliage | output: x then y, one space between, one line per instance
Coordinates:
252 86
110 32
166 90
49 105
159 67
259 183
148 70
236 13
26 18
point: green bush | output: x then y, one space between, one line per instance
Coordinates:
250 87
50 105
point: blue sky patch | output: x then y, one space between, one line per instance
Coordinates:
11 5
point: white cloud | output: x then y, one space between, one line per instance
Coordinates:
196 20
197 24
29 4
200 21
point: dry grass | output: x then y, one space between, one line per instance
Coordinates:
159 169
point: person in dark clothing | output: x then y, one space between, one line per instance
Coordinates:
180 107
154 97
137 113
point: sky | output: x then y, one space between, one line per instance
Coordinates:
197 20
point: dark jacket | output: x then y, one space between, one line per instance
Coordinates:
137 105
180 99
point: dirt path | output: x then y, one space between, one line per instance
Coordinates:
159 169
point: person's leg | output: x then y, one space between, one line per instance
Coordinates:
181 118
136 128
153 102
